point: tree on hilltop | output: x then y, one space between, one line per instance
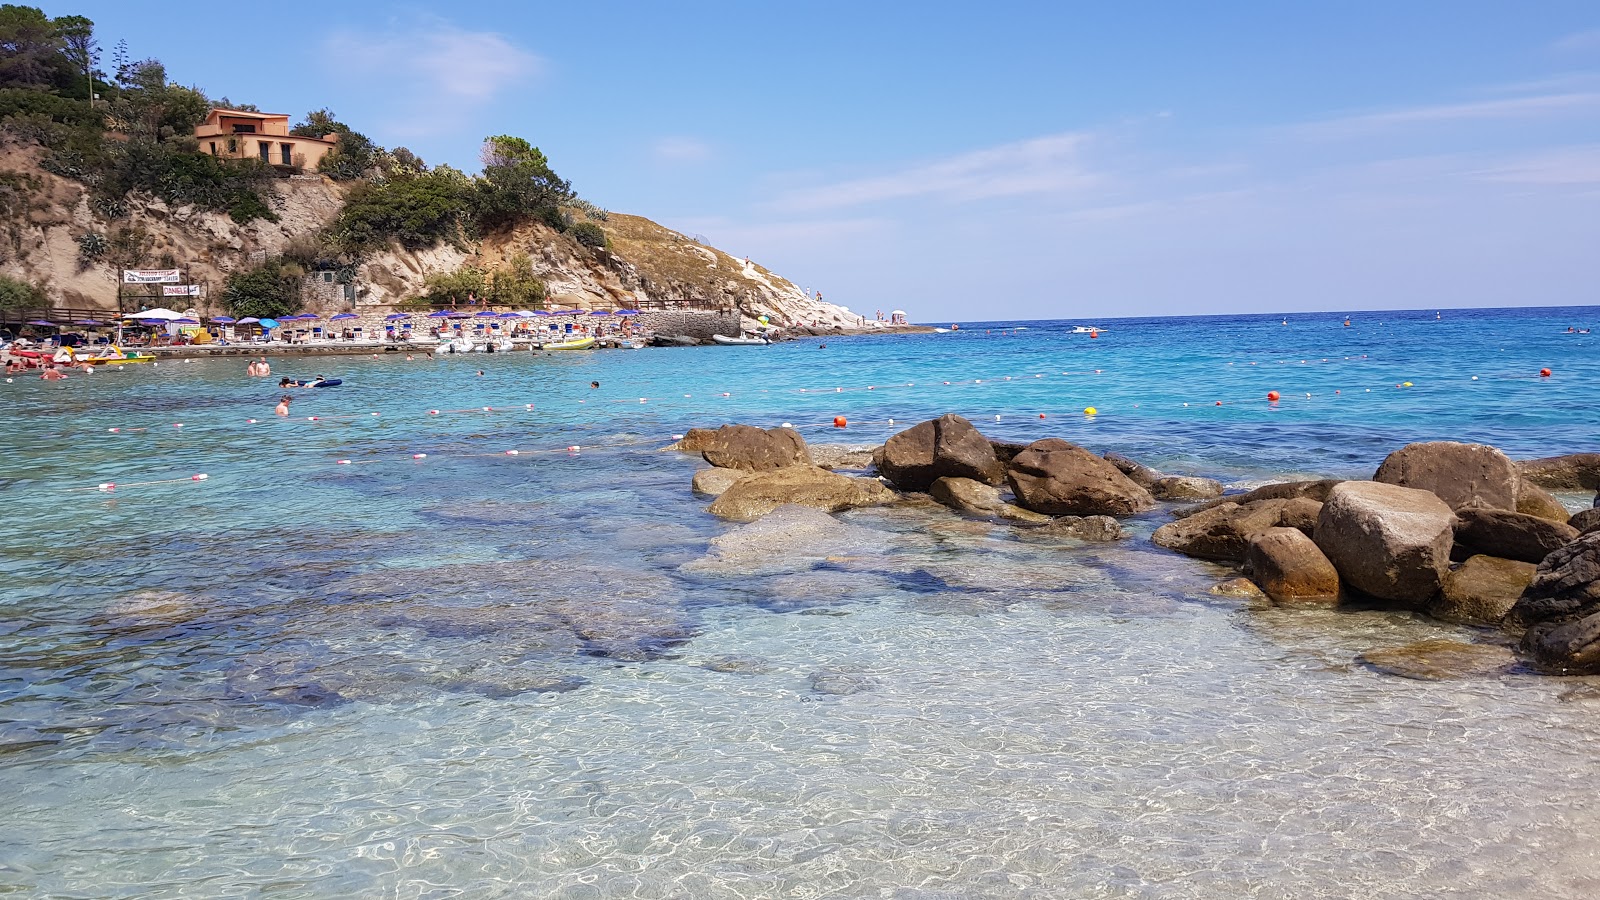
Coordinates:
517 184
355 156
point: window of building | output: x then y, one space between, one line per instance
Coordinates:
244 129
327 277
213 148
233 145
287 150
266 150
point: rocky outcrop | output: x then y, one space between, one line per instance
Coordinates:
948 446
1286 490
1481 591
1536 501
1462 475
1290 568
1511 535
1586 520
754 449
695 440
1565 587
786 539
1222 532
1565 648
1080 528
1573 472
843 456
1388 541
713 482
1059 478
1185 487
759 493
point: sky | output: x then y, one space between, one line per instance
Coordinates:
994 160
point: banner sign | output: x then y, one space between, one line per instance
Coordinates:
180 290
150 276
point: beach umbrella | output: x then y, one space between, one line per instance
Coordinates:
224 320
249 320
542 312
344 316
486 314
627 312
394 317
307 316
601 312
43 323
439 314
88 322
267 323
186 321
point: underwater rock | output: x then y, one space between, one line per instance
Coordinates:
788 539
1440 660
1481 590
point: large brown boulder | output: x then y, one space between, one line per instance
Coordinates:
1222 532
695 440
1286 490
1388 541
1586 520
1290 568
1481 590
1565 648
755 449
1573 472
714 482
1462 475
1511 535
947 446
1566 586
1137 472
967 495
1059 478
759 493
1536 501
1185 487
1301 513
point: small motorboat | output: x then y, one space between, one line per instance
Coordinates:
461 344
742 340
583 343
1086 329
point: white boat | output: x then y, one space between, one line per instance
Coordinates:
1086 329
941 331
461 344
741 341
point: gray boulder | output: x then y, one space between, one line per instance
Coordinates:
759 493
1222 532
1462 475
1185 487
1286 490
1586 520
754 449
1388 541
1573 472
1481 590
1080 528
1290 568
1059 478
1511 535
1138 473
1566 586
713 482
1536 501
1565 648
947 446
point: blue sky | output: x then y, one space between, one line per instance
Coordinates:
1004 159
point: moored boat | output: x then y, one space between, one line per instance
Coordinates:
742 341
583 343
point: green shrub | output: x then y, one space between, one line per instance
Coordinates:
418 212
18 294
270 290
589 234
514 284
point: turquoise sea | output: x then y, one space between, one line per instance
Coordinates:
484 674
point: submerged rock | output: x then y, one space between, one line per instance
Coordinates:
1290 568
1511 535
1387 541
713 482
787 539
1242 588
759 493
754 449
1079 528
1059 478
1462 475
948 446
1481 590
1440 660
841 683
1573 472
1565 648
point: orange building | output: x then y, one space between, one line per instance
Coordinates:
235 134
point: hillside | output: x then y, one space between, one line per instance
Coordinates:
46 216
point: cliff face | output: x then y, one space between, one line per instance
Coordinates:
45 215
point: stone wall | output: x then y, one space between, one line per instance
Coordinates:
693 323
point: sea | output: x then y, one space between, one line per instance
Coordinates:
456 628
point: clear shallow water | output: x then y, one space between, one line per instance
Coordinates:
488 674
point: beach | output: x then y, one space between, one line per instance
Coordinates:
444 628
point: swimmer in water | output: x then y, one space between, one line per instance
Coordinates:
283 405
594 384
51 373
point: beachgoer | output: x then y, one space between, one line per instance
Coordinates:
287 382
283 405
50 373
480 373
262 368
822 346
594 384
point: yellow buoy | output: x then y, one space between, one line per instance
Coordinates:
1089 411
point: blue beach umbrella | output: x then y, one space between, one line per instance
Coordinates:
88 322
186 321
541 312
601 312
627 312
224 320
487 315
395 317
43 324
439 314
344 316
267 323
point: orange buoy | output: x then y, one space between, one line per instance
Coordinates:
839 422
1094 334
1544 373
1273 396
1041 415
1219 402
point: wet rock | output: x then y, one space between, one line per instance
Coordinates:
1222 532
1565 648
1185 487
1137 472
1481 590
759 493
1511 535
1388 541
1080 528
1242 588
1059 478
1441 660
713 482
622 628
787 539
856 457
1462 475
1301 513
695 440
823 588
1013 513
948 446
1290 568
1536 501
754 449
1573 472
1586 520
967 495
1565 587
1006 451
1286 490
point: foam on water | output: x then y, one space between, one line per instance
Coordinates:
519 675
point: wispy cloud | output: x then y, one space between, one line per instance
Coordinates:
1578 42
1047 164
443 73
1511 108
1560 166
680 150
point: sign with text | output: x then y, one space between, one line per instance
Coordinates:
180 290
150 276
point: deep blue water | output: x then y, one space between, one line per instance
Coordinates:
494 673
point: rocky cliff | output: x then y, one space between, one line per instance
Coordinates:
44 216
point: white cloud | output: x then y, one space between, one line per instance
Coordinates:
1041 165
679 149
439 72
1560 166
1578 42
1533 107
